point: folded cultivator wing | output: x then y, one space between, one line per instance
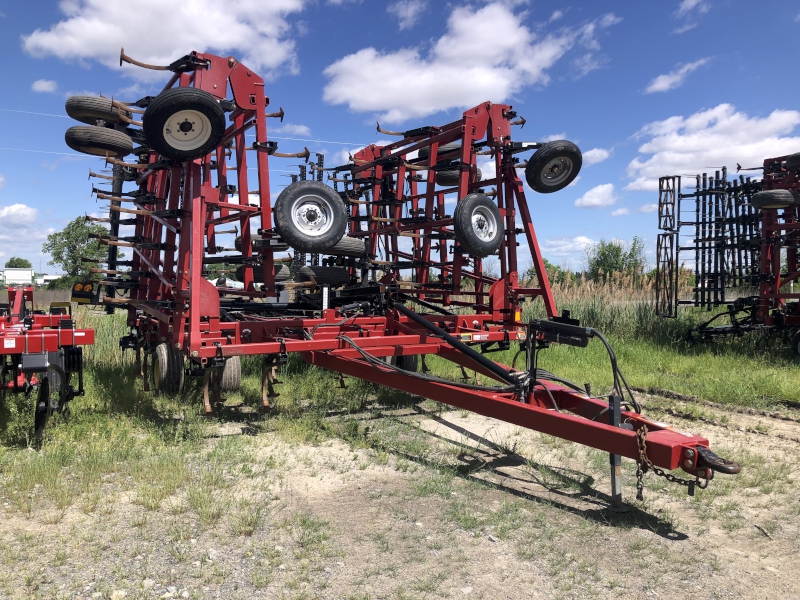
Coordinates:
365 277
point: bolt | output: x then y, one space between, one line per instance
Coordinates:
195 353
163 338
688 464
689 453
177 346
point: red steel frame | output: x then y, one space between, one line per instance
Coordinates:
182 204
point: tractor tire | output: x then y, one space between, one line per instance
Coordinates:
310 216
258 242
323 275
443 149
348 246
168 375
792 162
282 273
450 177
478 225
184 123
98 141
553 166
231 376
771 199
42 409
91 109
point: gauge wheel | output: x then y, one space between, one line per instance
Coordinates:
184 123
98 141
231 375
450 177
553 166
478 225
771 199
168 374
42 409
91 109
310 216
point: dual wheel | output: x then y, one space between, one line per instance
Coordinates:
169 371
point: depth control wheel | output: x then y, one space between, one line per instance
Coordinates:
310 216
478 225
553 166
168 372
42 409
184 123
98 141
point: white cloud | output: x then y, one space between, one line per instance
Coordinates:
595 155
160 31
44 85
687 6
597 197
463 68
621 211
713 137
407 12
557 14
648 208
293 129
684 28
2 181
565 245
16 215
555 136
674 79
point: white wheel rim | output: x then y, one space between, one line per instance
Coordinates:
556 171
484 225
312 215
187 130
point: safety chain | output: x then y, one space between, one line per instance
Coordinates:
644 464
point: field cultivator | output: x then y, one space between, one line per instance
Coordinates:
742 237
386 264
41 352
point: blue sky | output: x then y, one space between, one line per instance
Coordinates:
644 88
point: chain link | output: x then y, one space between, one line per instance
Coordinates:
644 464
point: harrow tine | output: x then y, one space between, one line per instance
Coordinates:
122 109
125 58
386 132
277 115
305 154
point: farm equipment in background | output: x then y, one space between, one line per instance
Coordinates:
41 352
386 266
742 239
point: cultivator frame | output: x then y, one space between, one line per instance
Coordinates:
363 327
40 352
736 245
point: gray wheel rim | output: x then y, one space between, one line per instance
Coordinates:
484 225
312 214
556 171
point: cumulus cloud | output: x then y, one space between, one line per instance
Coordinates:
565 245
645 208
674 79
160 31
292 129
2 181
713 137
595 155
597 197
648 208
690 11
44 85
463 67
407 12
621 211
16 215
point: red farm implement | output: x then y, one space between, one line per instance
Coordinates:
742 237
41 352
386 266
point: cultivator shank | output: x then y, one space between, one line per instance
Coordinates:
363 277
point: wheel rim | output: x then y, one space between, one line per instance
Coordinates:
556 171
187 130
312 215
484 224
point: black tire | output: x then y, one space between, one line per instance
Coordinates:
98 141
258 242
450 177
91 109
42 409
792 162
56 359
553 166
323 275
348 246
770 199
408 362
184 123
168 372
282 273
443 149
478 225
231 376
310 216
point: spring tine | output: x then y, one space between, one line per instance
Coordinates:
521 122
305 154
278 114
125 58
385 132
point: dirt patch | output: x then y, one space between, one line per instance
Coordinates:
449 505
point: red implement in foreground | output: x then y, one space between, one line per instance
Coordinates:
41 351
409 226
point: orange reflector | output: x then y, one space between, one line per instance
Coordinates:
78 287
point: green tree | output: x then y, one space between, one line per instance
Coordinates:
616 257
16 262
555 274
68 246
